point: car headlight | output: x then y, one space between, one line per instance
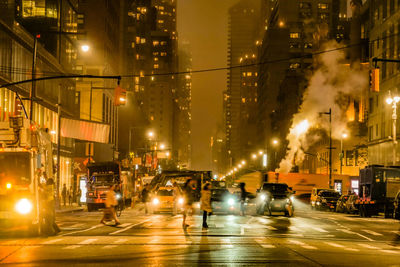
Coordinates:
181 200
323 200
231 201
118 196
156 201
263 197
197 205
291 198
318 203
23 206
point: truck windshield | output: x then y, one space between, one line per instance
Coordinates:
329 194
15 167
103 179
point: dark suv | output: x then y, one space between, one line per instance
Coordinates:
275 197
327 200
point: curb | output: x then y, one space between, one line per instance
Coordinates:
69 210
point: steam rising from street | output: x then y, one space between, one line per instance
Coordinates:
330 86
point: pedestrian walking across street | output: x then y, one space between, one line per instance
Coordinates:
205 203
243 195
145 197
78 196
64 194
109 212
189 193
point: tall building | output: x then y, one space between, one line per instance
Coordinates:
243 30
102 58
56 54
294 30
383 28
183 105
150 46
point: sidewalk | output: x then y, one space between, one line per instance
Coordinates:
73 208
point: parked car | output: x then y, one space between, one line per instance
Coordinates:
314 196
351 204
396 212
326 200
341 203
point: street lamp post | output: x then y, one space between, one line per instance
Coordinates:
393 101
344 135
330 145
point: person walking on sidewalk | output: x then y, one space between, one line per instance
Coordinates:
109 212
189 193
64 194
70 195
78 196
205 203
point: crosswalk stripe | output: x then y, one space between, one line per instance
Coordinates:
84 230
367 246
109 246
88 241
51 241
269 227
72 247
128 227
219 225
390 251
297 242
352 249
371 232
308 247
334 244
319 229
119 241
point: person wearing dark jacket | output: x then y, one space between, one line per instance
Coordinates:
205 203
243 195
189 194
145 197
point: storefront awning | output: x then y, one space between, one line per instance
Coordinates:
84 130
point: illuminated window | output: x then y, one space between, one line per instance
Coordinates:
156 59
136 88
156 66
323 6
244 74
143 40
249 74
294 35
163 43
137 39
163 54
155 43
160 21
243 100
294 66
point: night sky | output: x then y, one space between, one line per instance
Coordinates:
204 23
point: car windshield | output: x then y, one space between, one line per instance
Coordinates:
15 167
165 193
329 194
219 193
276 188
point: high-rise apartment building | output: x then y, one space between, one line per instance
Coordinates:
243 31
150 45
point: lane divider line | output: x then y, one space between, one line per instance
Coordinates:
84 230
371 232
87 241
51 241
128 227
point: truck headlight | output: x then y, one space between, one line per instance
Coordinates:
180 200
291 198
156 201
118 196
23 206
231 201
263 197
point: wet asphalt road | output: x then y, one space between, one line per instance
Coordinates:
310 238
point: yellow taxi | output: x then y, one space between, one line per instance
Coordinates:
164 200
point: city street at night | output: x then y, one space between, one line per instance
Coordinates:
310 238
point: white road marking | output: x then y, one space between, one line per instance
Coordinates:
334 245
87 241
119 241
372 232
109 246
129 227
354 233
261 242
294 228
219 225
297 242
125 225
84 230
367 246
395 232
72 247
390 251
228 241
308 247
351 249
77 225
242 230
51 241
319 229
271 228
267 246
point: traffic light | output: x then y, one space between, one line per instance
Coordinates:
119 96
374 80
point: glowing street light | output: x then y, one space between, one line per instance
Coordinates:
150 134
235 169
239 166
341 155
394 100
85 48
275 142
254 156
260 152
162 146
243 162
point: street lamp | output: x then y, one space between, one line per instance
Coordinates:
254 156
275 143
162 146
85 48
393 101
344 136
260 152
243 162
